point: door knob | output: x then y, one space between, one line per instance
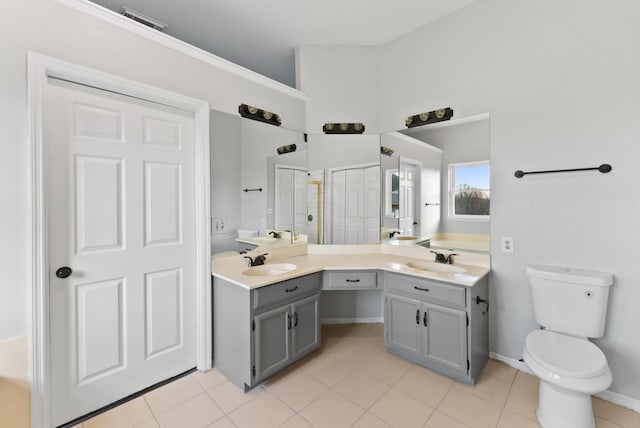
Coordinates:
64 272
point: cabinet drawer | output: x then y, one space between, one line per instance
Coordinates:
350 280
285 291
429 291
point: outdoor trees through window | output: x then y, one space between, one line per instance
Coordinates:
469 190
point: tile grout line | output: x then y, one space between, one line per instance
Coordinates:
504 406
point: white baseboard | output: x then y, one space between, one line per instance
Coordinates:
620 400
610 396
351 320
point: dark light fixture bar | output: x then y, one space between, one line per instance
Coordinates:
343 128
289 148
255 113
429 117
387 151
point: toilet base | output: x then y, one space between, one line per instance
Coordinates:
561 408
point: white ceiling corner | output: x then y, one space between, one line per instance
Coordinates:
262 36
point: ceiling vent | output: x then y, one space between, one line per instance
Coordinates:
143 19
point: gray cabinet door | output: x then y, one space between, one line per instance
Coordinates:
272 347
306 326
402 324
444 340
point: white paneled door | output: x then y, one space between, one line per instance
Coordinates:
356 205
121 210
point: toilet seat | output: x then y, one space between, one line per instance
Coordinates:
566 355
567 361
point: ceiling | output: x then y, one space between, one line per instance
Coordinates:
262 35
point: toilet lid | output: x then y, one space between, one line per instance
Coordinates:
565 355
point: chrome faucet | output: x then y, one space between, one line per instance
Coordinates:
258 261
441 258
393 233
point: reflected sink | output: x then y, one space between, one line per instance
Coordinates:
270 269
264 239
405 238
435 267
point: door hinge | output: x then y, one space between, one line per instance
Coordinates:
253 371
467 320
253 325
468 366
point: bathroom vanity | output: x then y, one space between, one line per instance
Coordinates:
436 316
261 331
438 325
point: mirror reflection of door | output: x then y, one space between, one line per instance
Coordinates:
408 188
355 204
290 198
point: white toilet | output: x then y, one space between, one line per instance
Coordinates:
571 305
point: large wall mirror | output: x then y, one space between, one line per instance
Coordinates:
436 185
254 189
428 184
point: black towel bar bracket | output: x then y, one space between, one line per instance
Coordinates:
604 168
253 190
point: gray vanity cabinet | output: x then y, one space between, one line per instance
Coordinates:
285 334
444 336
402 324
305 334
272 342
437 324
261 331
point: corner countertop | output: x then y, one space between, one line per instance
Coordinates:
354 257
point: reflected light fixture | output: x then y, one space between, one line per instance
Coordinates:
429 117
289 148
343 128
387 151
255 113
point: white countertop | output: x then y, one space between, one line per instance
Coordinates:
372 257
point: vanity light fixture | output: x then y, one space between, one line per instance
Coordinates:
255 113
429 117
289 148
343 128
387 151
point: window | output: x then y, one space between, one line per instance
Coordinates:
469 191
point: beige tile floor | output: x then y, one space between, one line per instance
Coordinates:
352 381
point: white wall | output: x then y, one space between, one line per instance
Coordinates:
466 142
560 80
341 83
55 30
333 151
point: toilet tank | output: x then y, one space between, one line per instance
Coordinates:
571 301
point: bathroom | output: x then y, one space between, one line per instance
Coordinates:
537 69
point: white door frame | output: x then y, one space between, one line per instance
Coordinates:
40 68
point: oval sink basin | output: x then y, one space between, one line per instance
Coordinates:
264 239
270 269
435 267
405 238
